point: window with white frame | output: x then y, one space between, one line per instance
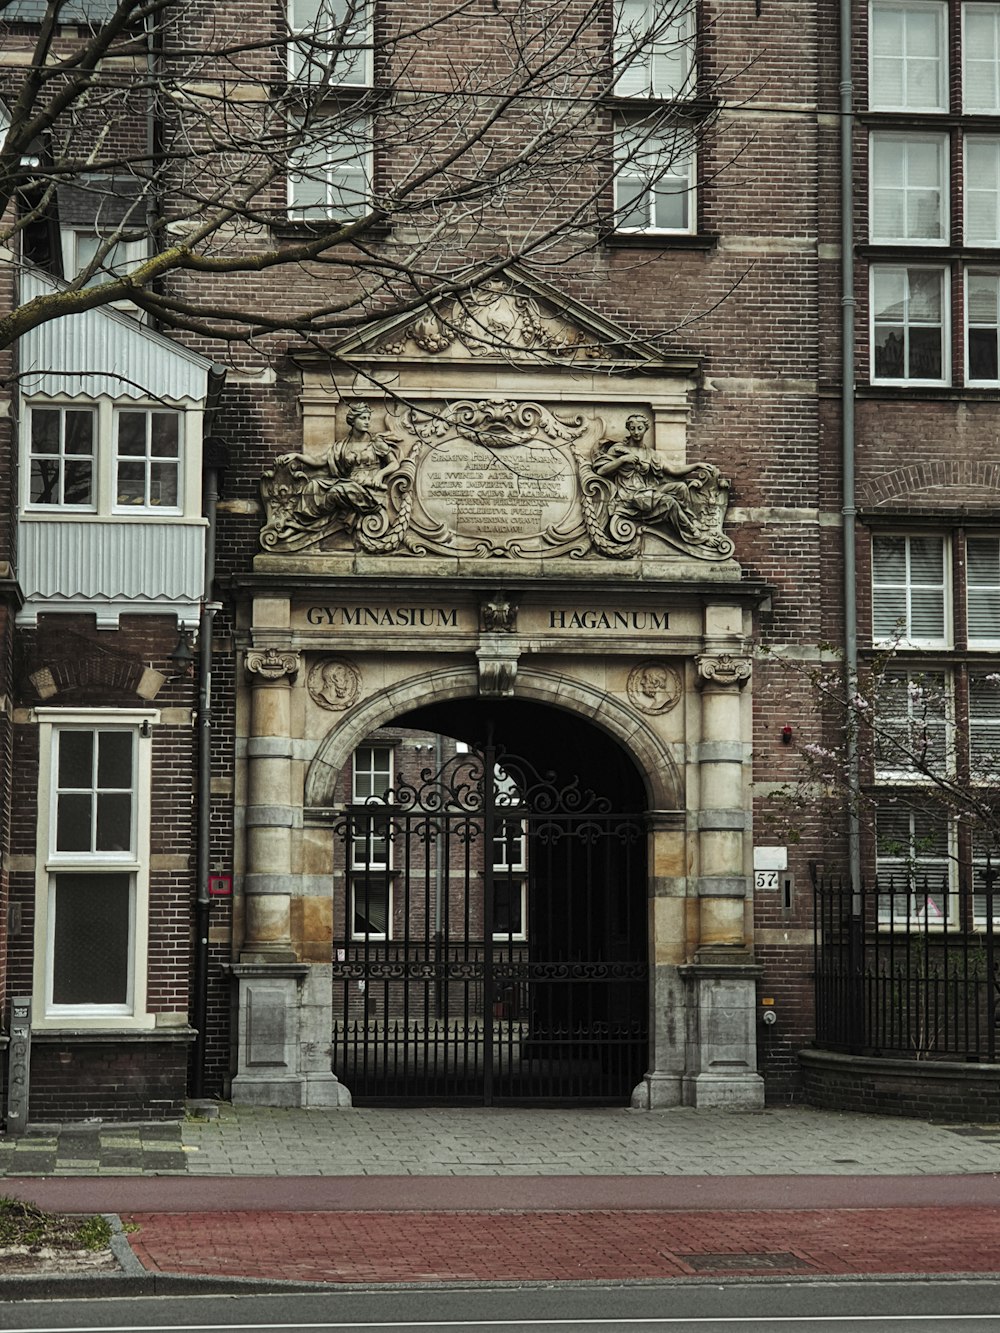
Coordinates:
914 861
82 248
61 444
371 908
982 190
330 171
909 188
982 327
147 459
105 459
908 49
654 180
982 556
509 908
985 877
981 58
913 725
910 590
330 42
984 726
371 782
654 48
909 327
92 877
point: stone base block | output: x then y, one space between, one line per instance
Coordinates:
258 1090
325 1091
734 1092
656 1092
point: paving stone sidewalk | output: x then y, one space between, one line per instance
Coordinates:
443 1142
567 1246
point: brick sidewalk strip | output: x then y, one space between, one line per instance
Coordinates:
568 1246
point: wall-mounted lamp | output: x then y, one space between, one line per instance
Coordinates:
786 735
145 731
183 654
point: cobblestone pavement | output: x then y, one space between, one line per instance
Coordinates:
567 1246
438 1142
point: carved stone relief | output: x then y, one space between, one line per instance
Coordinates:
491 478
654 687
334 684
270 664
724 669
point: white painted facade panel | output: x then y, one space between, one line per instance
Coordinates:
102 561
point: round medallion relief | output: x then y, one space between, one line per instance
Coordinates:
334 683
654 687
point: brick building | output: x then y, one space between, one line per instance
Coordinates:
594 513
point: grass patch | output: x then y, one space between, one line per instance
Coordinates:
23 1224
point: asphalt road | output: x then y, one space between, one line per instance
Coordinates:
963 1306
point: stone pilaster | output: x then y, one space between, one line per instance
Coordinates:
721 1005
270 815
283 1053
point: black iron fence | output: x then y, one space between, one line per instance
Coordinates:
907 968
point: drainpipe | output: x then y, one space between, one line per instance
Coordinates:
848 510
214 460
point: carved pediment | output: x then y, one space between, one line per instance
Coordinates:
507 317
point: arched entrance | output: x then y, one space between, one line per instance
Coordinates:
490 932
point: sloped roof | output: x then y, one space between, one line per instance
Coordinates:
104 352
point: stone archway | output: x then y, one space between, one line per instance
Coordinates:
440 997
523 529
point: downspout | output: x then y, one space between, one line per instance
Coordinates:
213 461
848 509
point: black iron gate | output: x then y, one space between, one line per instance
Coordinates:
490 941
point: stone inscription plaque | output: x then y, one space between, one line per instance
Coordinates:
479 491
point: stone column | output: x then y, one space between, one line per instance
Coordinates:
721 1063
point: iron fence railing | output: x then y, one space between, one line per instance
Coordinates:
907 968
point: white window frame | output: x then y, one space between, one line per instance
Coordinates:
517 885
905 637
974 190
638 166
360 885
880 143
367 863
970 324
105 471
357 71
149 461
50 862
990 588
62 458
914 724
650 40
970 52
122 256
984 731
908 324
361 163
911 871
937 7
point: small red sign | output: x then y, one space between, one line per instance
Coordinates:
220 886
